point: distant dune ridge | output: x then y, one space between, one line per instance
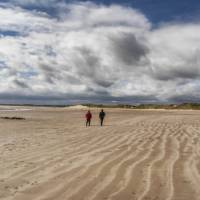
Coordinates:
77 107
182 106
137 155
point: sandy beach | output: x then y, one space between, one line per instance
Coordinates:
137 155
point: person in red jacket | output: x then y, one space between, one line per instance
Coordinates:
88 117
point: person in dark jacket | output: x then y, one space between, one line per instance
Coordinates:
102 115
88 117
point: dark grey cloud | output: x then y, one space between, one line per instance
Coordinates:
172 74
193 98
89 62
49 73
91 67
71 99
129 49
72 79
21 84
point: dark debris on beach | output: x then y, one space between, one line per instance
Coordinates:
13 118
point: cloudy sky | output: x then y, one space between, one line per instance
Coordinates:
64 52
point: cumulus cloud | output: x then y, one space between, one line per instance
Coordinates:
97 53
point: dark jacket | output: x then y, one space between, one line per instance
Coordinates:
88 116
102 114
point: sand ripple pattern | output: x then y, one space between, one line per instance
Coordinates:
137 155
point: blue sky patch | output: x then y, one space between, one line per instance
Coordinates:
9 33
157 11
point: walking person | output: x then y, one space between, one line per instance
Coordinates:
102 115
88 117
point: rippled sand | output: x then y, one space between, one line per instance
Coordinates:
137 155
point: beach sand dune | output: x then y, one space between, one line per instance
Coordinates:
137 155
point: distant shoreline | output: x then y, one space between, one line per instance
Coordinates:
183 106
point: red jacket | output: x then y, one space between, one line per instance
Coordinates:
88 115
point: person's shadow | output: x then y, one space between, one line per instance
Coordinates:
100 125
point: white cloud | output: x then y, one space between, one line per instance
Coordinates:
95 50
178 50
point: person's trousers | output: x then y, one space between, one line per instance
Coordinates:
101 121
88 122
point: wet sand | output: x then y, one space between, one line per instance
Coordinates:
137 155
